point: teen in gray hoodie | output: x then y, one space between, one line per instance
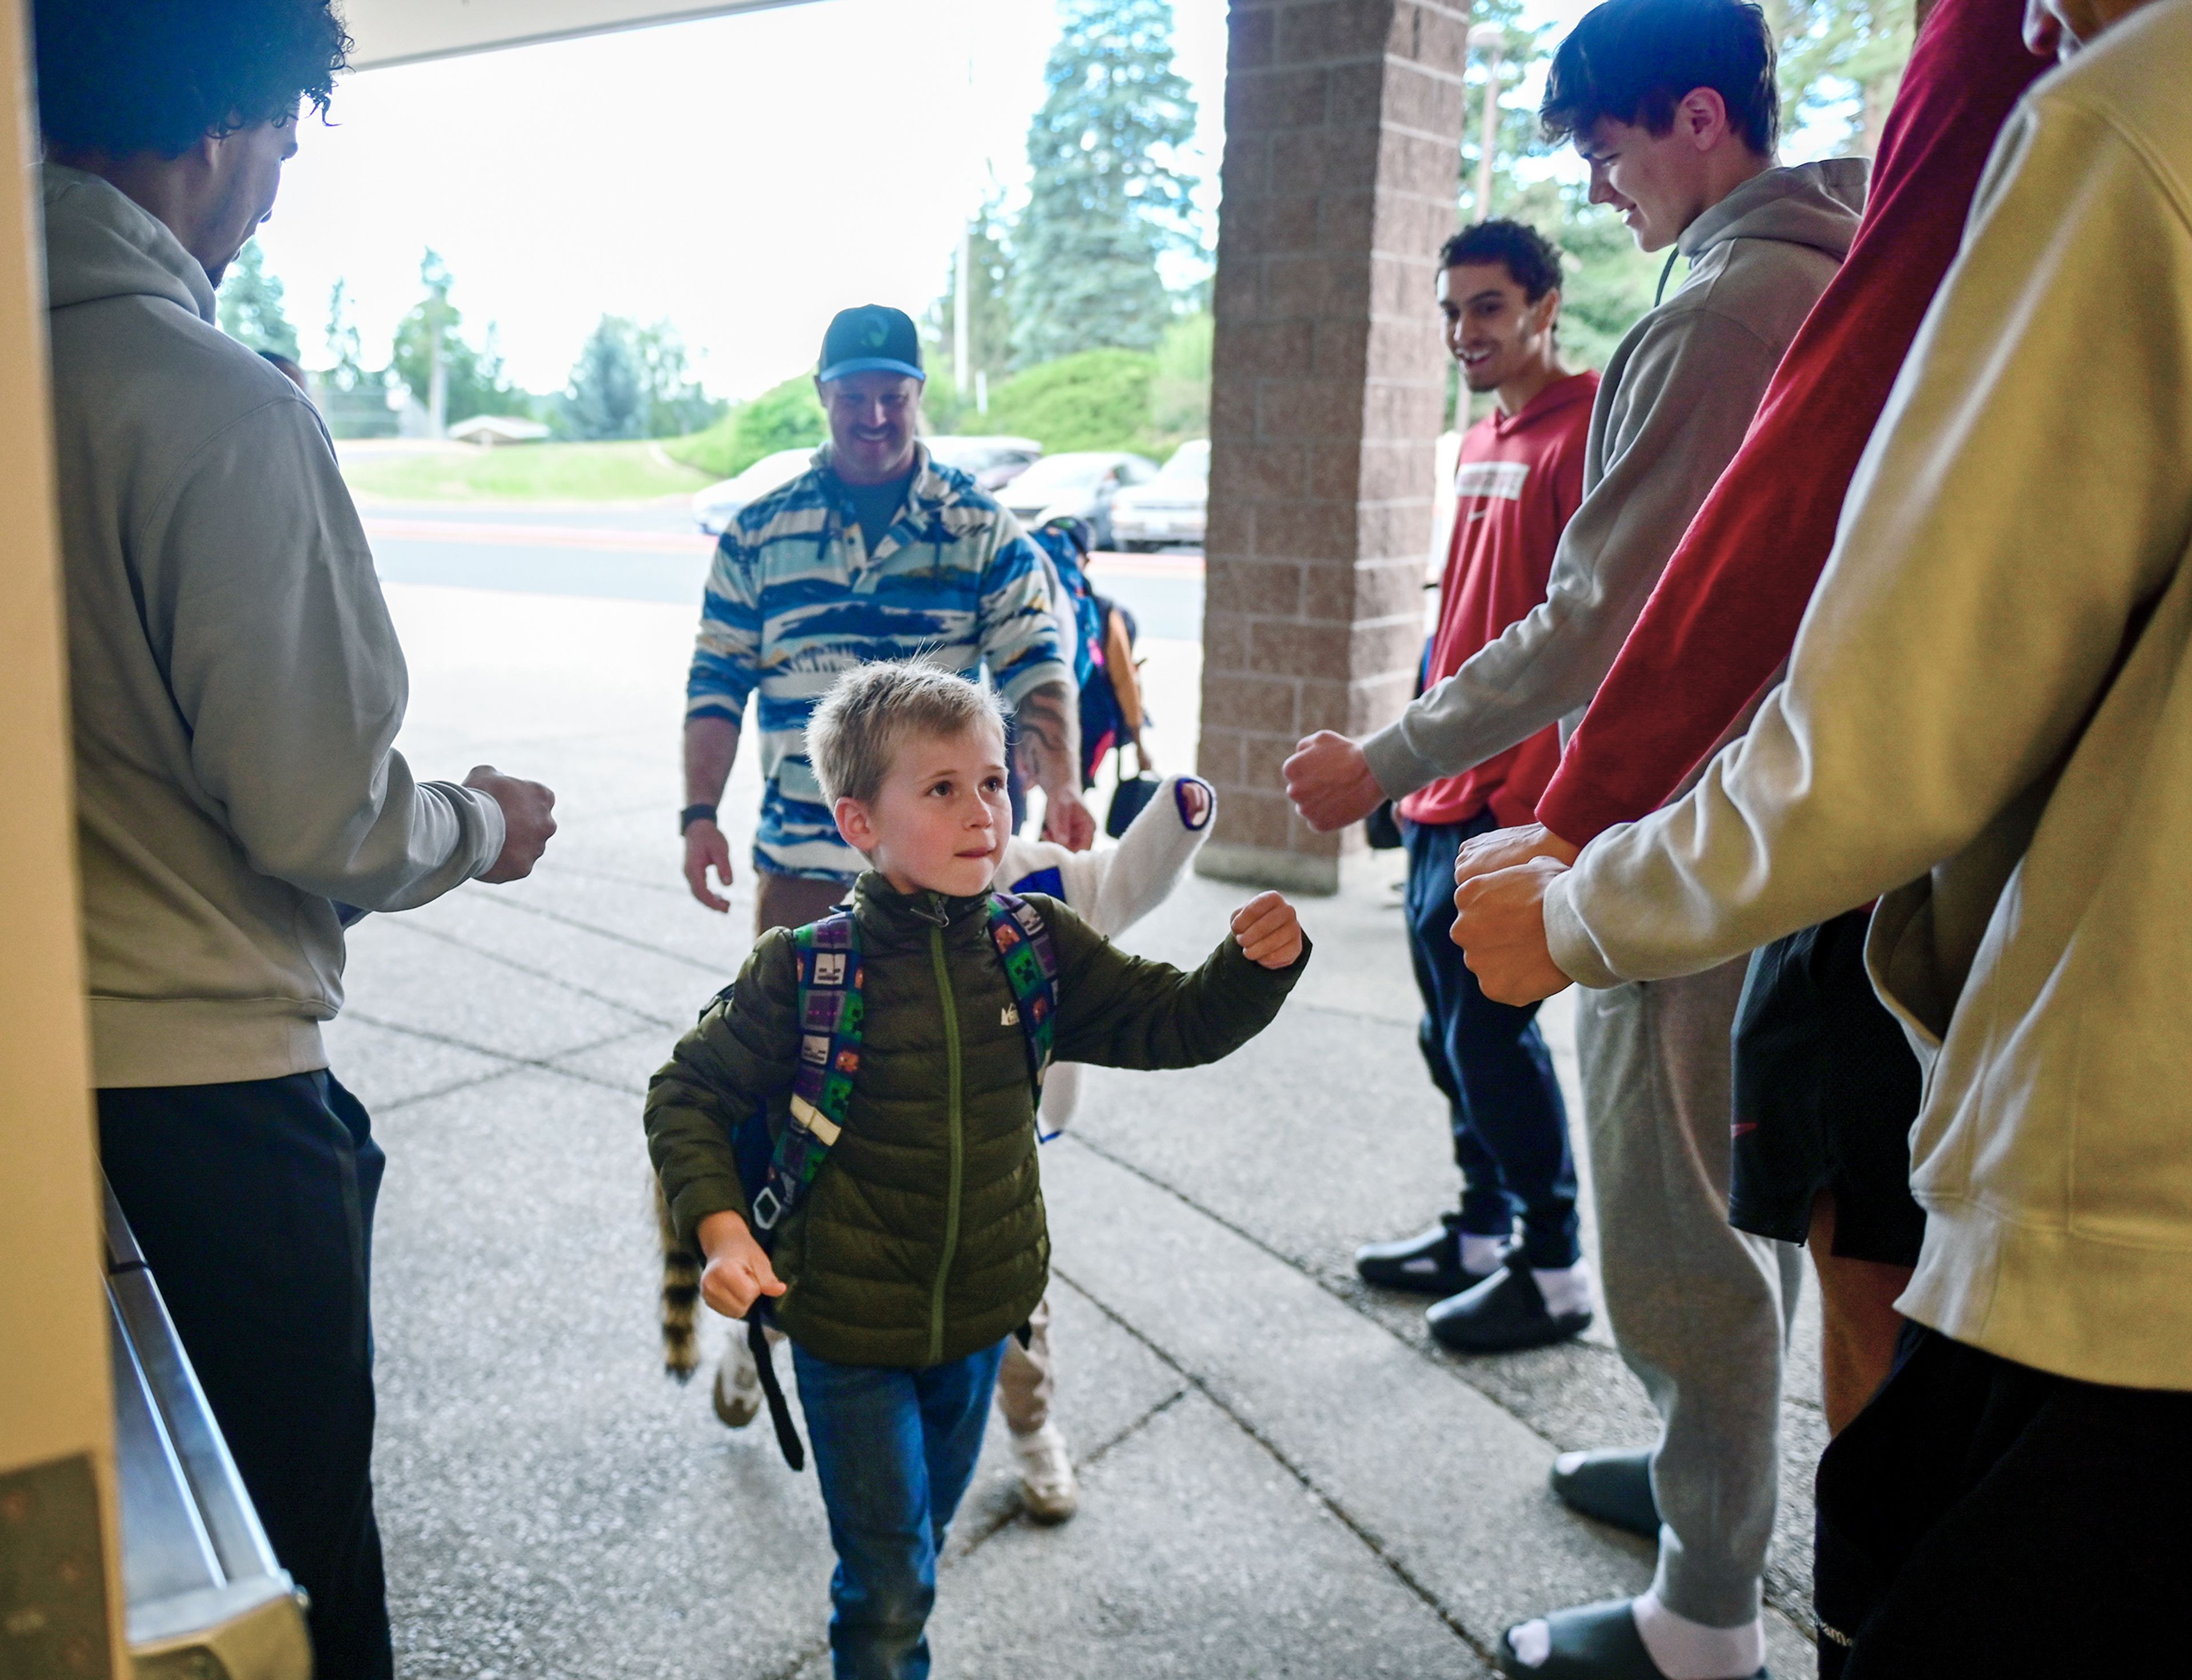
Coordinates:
235 688
1673 104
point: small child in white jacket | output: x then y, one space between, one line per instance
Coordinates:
1112 887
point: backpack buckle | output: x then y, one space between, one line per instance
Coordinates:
767 1209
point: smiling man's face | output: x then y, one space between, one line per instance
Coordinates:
872 417
1492 329
1658 184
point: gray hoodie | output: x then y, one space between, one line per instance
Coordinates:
1677 397
236 681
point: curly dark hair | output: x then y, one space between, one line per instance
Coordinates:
127 76
1533 261
1634 60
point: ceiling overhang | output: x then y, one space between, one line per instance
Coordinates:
404 31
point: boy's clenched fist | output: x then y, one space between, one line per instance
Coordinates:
738 1273
1269 931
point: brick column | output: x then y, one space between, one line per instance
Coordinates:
1342 134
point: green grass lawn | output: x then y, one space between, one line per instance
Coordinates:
522 472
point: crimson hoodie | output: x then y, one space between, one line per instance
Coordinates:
1723 615
1517 484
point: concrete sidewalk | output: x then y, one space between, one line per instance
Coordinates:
1281 1475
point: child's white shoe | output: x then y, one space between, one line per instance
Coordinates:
1048 1487
738 1394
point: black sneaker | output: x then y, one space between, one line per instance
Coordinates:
1427 1263
1503 1313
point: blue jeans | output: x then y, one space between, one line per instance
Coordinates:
893 1450
1510 1127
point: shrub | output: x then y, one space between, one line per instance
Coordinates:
786 416
1097 399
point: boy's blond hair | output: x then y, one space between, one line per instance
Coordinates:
873 710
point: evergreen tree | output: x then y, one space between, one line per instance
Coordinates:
608 395
1842 58
474 379
347 371
1105 198
251 306
676 404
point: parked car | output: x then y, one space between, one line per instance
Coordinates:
993 462
1171 508
1081 483
715 506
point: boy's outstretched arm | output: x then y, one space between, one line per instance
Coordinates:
1122 1011
743 1053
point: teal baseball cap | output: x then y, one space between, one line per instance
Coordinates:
873 339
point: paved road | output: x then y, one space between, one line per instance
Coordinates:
651 551
1283 1476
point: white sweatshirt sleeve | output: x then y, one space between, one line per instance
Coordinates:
1152 854
287 670
2028 490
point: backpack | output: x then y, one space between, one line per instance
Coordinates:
1103 650
831 1014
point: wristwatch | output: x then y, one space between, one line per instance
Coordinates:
693 813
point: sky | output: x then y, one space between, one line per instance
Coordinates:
743 177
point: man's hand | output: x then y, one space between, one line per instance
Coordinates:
706 848
1505 847
1067 820
526 822
737 1273
1050 757
1500 923
1269 931
1329 781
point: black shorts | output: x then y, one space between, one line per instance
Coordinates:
1826 1088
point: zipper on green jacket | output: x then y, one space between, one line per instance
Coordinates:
958 1144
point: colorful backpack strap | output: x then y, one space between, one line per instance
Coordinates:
1030 965
830 1014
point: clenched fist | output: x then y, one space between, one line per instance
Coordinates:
1269 931
737 1273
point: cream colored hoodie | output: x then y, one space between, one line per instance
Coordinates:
235 681
1988 718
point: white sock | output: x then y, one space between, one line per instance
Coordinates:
1689 1650
1567 1289
1481 1256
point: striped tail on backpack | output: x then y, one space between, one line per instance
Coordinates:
680 1291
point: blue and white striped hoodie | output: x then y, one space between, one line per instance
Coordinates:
794 597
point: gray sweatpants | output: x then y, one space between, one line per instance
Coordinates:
1699 1310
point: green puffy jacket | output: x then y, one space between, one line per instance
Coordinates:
922 1237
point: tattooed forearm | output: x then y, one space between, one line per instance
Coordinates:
1050 740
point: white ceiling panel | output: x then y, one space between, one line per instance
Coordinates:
402 31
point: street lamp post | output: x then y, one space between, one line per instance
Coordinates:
1490 40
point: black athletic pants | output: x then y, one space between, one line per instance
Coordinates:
254 1205
1981 1517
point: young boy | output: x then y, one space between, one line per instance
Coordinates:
920 1245
1111 886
